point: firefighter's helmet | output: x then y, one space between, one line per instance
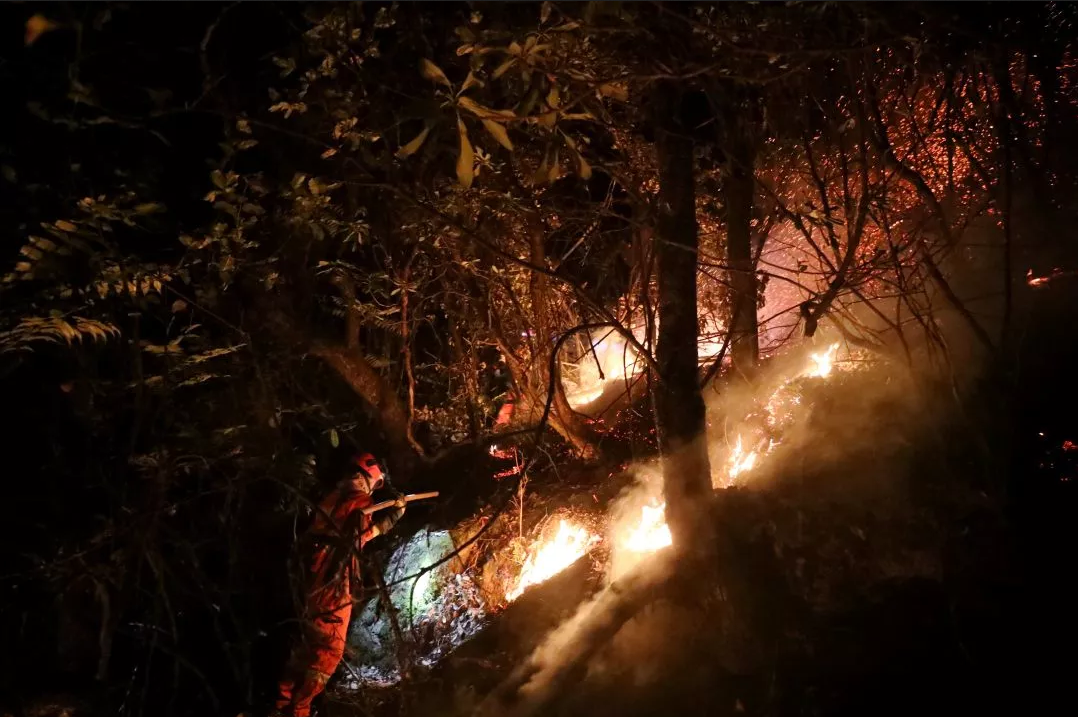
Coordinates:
367 466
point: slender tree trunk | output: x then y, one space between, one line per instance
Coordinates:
370 386
406 346
679 407
737 195
352 366
570 424
465 360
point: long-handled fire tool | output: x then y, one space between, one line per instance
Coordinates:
390 503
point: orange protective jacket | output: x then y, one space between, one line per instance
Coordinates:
340 529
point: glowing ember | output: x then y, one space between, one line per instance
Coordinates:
1039 281
608 361
822 362
651 533
1036 280
584 396
740 460
547 558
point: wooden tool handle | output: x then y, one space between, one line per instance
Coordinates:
390 503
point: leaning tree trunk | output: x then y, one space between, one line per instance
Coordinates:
737 195
679 407
567 422
348 360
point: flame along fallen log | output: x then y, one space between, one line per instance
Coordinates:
535 683
553 669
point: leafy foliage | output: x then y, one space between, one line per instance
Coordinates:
367 231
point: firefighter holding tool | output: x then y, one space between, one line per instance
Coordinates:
346 521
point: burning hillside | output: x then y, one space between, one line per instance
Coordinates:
550 554
451 604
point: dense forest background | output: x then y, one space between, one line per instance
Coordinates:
242 241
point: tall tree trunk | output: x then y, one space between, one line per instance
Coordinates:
405 453
369 385
679 407
567 422
737 195
464 357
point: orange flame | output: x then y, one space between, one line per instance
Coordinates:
822 363
1039 281
740 461
652 532
547 558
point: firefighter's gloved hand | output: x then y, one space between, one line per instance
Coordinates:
390 518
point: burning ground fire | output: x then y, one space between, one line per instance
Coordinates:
822 362
651 533
741 461
744 456
549 556
1039 281
634 531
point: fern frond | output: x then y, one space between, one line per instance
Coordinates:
212 354
55 330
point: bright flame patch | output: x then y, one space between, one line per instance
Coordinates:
652 532
822 363
741 461
548 557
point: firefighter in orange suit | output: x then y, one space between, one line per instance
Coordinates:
501 422
505 413
340 528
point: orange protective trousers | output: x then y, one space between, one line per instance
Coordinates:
329 606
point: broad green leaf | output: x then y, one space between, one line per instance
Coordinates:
497 131
412 147
541 174
43 243
484 112
466 159
433 73
504 67
555 169
470 82
584 168
615 90
37 26
528 103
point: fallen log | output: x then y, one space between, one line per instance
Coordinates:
564 653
